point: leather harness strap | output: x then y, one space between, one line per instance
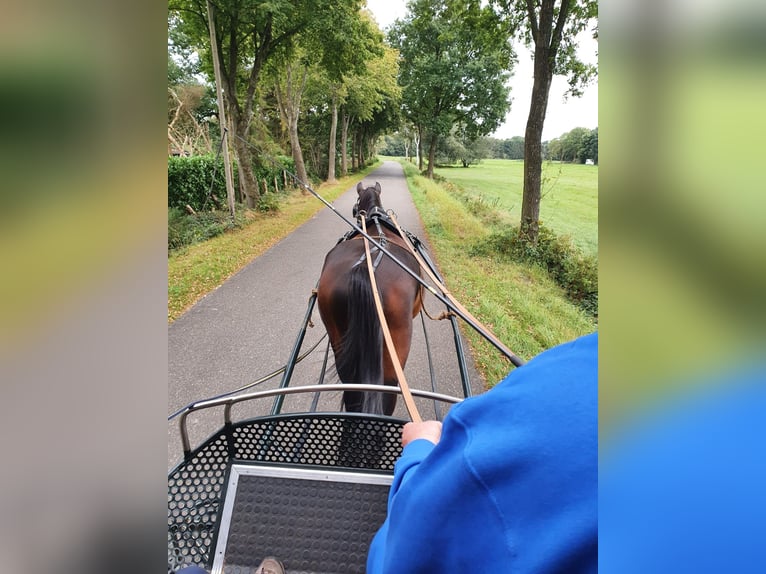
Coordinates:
409 402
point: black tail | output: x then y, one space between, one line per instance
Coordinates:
360 359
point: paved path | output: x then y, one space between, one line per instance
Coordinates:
247 327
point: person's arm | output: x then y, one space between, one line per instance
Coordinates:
418 440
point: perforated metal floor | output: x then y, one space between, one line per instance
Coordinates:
320 441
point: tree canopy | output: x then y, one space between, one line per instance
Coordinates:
250 36
454 67
576 146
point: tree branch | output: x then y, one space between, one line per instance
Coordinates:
178 109
564 10
545 24
532 19
261 51
233 48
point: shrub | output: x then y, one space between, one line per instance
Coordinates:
270 170
575 272
189 179
268 202
185 229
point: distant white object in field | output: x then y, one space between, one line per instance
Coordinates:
589 162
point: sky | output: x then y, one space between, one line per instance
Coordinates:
562 115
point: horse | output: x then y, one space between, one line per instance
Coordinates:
347 307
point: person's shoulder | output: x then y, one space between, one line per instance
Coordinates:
554 380
576 359
585 347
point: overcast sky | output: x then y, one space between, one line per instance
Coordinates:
562 115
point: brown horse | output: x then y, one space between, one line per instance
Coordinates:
347 307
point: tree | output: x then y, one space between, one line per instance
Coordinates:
589 148
551 26
457 147
289 86
455 58
189 105
190 102
363 42
372 104
249 35
572 145
392 145
514 148
555 149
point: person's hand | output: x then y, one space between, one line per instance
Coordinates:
429 430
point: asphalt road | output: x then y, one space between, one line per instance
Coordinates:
247 327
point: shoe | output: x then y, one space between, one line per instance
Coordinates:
270 565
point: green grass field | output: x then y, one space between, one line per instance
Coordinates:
569 204
519 302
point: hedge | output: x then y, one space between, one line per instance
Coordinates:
189 179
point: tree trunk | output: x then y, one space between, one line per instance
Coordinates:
419 149
221 111
344 144
431 156
361 148
354 157
289 103
245 164
333 137
300 166
533 159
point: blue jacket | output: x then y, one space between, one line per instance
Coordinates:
512 484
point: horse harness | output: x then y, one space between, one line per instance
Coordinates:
381 220
412 409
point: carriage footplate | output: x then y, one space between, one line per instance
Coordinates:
313 520
308 488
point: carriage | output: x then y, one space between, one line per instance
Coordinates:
311 487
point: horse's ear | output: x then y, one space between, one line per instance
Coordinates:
377 187
359 187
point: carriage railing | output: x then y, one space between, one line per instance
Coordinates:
229 402
335 443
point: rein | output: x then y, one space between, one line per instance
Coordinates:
448 301
403 386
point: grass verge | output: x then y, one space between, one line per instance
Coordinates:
200 268
518 302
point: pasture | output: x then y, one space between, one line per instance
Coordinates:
518 301
569 204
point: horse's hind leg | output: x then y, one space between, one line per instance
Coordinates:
389 399
353 401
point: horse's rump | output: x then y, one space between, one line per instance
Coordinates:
347 308
347 305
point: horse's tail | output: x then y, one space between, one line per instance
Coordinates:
361 351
